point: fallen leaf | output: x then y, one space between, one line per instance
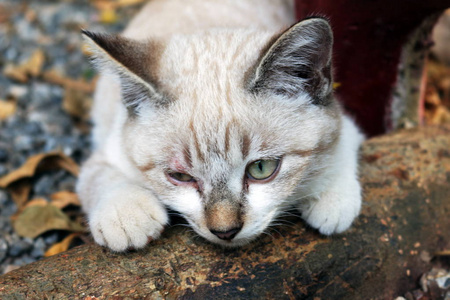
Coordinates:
76 103
37 202
18 182
15 72
34 65
61 246
108 15
64 198
7 109
20 191
35 220
55 77
31 67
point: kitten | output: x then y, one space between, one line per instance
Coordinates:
210 109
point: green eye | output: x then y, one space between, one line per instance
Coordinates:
262 169
182 177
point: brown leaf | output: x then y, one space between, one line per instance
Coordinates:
18 182
34 65
7 109
64 198
55 77
76 103
17 73
35 220
37 202
31 67
61 246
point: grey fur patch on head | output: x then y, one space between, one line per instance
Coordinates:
298 61
133 62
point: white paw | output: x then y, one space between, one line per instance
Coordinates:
333 212
127 218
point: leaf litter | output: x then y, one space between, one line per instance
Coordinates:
39 215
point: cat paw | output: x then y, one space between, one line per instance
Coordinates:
332 213
127 218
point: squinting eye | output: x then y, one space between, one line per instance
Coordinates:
182 177
262 169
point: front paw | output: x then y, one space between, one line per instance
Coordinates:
127 218
333 212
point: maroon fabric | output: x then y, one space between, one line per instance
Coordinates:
368 39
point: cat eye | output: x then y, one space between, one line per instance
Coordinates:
182 177
262 169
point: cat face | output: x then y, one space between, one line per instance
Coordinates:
232 171
225 126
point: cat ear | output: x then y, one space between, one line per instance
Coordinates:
132 62
298 61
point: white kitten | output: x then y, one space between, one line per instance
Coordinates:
208 108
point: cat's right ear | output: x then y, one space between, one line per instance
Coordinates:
132 62
298 61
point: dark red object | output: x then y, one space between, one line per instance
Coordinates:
368 41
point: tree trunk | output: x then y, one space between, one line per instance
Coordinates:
406 212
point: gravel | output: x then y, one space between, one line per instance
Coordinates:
40 124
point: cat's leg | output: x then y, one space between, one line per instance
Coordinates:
121 213
338 194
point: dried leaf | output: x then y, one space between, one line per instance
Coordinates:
18 182
37 202
35 220
17 73
55 77
48 160
31 67
77 104
108 15
7 109
64 198
61 246
34 65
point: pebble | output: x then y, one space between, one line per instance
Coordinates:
3 155
3 249
3 170
42 187
51 238
23 143
39 248
20 247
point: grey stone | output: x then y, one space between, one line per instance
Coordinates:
23 143
3 249
3 155
39 248
19 247
43 185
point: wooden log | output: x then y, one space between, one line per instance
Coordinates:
406 209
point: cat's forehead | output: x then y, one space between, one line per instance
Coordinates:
210 60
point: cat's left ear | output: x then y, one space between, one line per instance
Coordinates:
298 61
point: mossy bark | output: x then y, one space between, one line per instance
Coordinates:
406 211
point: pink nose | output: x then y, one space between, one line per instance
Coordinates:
226 235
